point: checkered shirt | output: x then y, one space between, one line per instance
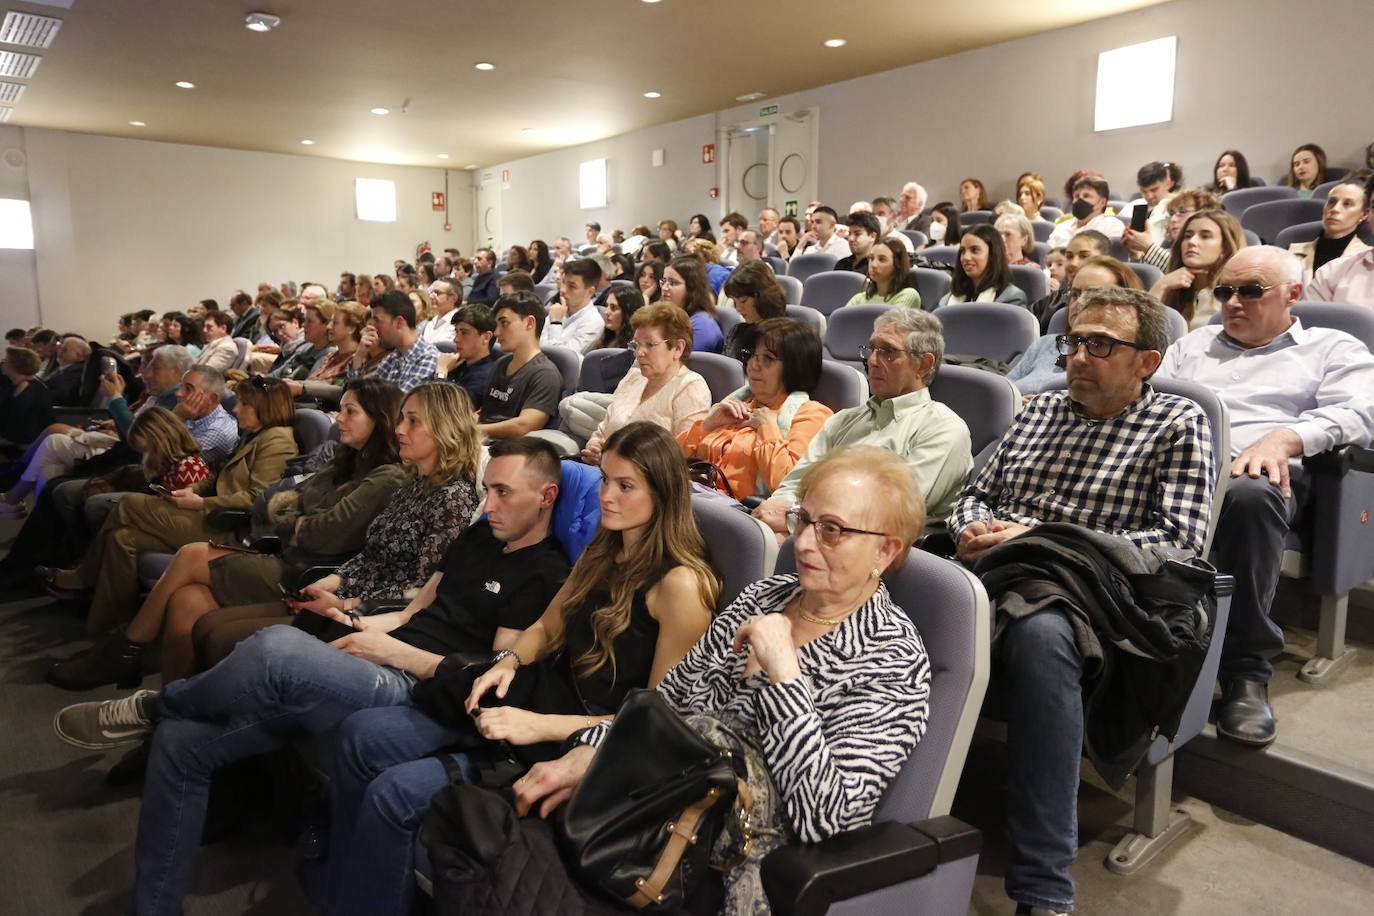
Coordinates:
406 369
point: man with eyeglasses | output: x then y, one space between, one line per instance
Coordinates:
1112 454
446 295
1291 392
903 353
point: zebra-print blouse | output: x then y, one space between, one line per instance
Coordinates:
833 738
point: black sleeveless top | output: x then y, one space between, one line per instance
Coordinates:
607 686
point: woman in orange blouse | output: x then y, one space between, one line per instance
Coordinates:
756 435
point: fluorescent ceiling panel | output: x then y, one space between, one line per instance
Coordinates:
29 30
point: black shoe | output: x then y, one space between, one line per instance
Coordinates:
48 577
1245 715
112 660
131 767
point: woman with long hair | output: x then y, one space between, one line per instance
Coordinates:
542 260
1344 211
972 195
640 595
518 258
323 519
363 289
699 227
887 284
1306 169
945 216
1230 171
345 331
621 305
686 284
1030 194
649 278
1017 237
1204 245
756 295
981 274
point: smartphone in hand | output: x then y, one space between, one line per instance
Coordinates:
292 595
1139 215
160 490
107 365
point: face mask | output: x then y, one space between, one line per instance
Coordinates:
937 232
1081 209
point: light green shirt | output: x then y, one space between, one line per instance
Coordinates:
908 297
929 436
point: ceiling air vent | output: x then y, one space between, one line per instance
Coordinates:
11 92
29 30
23 66
5 114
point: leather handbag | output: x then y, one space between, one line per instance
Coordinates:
709 474
641 825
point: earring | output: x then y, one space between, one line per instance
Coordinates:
874 573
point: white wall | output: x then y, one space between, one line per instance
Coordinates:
126 224
18 274
1254 75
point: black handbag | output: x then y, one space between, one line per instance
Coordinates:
641 825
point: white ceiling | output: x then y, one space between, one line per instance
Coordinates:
575 71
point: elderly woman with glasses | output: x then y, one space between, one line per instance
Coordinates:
759 433
658 387
824 680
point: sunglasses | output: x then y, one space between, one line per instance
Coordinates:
1248 292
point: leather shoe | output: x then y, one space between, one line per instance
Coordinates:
112 660
1245 714
48 576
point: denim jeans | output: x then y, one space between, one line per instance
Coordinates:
276 685
1040 671
383 782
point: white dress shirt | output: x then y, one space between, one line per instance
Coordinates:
438 328
580 330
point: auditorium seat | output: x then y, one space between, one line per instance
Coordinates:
1269 219
830 289
810 316
812 262
945 254
723 375
995 330
1148 273
985 401
1302 232
1236 202
1042 251
840 386
917 237
975 218
792 287
931 284
849 329
1042 228
1031 280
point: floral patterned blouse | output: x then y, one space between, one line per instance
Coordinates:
407 542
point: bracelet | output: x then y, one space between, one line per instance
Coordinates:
519 663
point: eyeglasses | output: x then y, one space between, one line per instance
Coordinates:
886 354
828 533
767 359
1173 213
1099 345
635 346
1248 292
669 281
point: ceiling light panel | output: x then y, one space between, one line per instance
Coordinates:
20 66
29 30
11 92
5 114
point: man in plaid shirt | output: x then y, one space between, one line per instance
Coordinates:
1109 454
412 359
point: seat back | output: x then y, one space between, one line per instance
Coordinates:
1269 219
950 610
975 218
544 290
1355 321
792 287
1041 251
569 363
840 386
1302 232
1174 325
1321 191
1031 280
723 375
995 330
810 316
945 254
577 510
1219 419
985 401
829 289
917 237
812 262
1042 228
849 329
311 428
778 264
1051 210
244 347
931 285
1148 273
1236 202
742 549
602 369
728 318
446 346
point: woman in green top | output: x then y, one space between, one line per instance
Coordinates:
888 266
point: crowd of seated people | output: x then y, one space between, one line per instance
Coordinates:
383 515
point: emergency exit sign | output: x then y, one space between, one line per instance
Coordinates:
768 110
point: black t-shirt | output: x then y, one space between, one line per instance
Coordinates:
537 385
484 588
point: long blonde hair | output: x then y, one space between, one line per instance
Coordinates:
449 417
163 439
671 539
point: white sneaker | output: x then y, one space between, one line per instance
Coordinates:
104 724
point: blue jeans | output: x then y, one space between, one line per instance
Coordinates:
276 685
1041 671
382 785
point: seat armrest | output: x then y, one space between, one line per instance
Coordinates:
313 574
229 518
804 879
1341 460
752 501
268 544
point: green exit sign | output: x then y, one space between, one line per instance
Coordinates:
768 110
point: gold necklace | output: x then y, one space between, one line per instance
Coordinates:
820 620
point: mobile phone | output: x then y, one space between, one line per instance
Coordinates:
159 489
1138 217
107 365
292 595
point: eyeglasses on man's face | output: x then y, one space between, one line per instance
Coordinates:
885 354
1098 345
1248 292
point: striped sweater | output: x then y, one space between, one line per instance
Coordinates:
833 738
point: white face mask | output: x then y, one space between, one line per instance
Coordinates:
937 231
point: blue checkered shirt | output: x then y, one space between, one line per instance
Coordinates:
406 369
1145 474
218 435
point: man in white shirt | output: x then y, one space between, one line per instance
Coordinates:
1089 212
446 294
574 322
1291 392
823 236
910 203
730 228
768 226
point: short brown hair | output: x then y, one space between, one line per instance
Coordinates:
668 319
269 398
24 360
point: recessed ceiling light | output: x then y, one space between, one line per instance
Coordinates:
483 66
470 167
307 143
650 1
750 96
381 111
182 84
261 22
138 124
835 43
527 130
653 95
443 155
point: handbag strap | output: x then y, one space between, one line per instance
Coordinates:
650 890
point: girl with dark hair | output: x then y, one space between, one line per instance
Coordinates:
945 216
182 329
1306 169
686 284
888 267
981 274
756 296
541 258
517 258
699 227
1344 211
621 305
1231 171
759 433
649 278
